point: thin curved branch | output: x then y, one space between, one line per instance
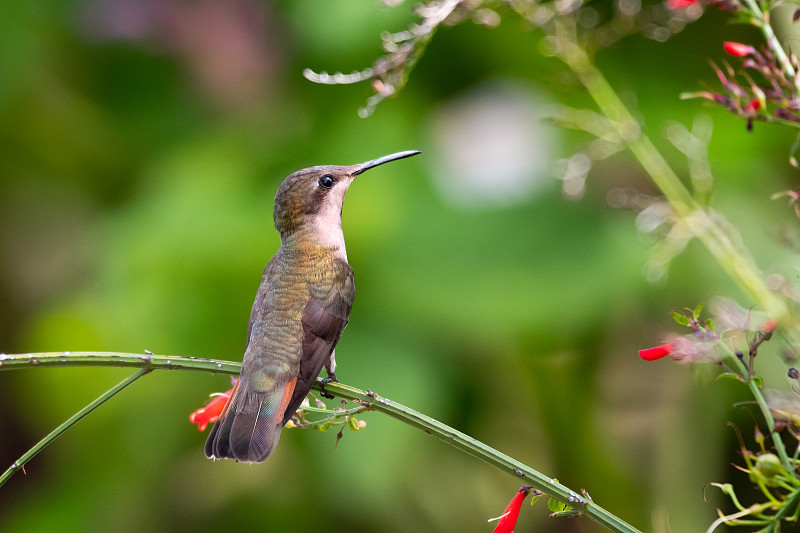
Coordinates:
147 362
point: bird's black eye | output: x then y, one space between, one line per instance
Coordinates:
326 181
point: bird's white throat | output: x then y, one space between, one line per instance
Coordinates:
327 222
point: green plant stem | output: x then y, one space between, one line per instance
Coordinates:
485 453
19 464
372 401
762 20
770 421
746 374
710 232
734 518
791 503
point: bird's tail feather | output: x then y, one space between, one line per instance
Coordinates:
249 427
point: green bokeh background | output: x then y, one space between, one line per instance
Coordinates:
141 144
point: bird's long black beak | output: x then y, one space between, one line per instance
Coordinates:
363 167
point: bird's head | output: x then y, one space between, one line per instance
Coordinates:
315 195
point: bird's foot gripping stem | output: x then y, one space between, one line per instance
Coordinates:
331 378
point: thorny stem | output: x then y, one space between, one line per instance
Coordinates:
367 399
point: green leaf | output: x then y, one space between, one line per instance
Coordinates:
352 423
680 319
326 426
698 310
534 499
745 17
730 376
758 380
556 506
710 325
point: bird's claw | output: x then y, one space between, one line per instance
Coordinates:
331 378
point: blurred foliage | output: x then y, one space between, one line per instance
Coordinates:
142 143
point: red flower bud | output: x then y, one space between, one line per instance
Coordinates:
509 519
769 326
737 49
209 414
752 106
651 354
676 5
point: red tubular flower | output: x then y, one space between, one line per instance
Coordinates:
769 326
651 354
737 49
509 519
209 414
676 5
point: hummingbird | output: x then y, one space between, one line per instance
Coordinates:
300 310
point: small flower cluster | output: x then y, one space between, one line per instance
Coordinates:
773 472
698 347
331 418
774 98
706 345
